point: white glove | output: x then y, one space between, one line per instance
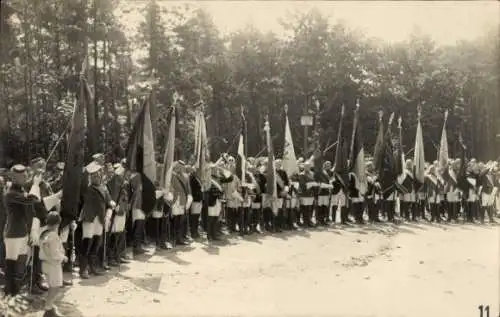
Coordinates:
107 221
286 189
189 201
35 232
73 225
112 204
168 197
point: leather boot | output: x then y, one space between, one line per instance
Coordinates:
138 233
94 268
10 277
491 215
84 258
277 222
194 224
179 230
210 228
120 251
334 214
247 217
310 213
241 221
112 250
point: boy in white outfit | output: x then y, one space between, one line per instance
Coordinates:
52 254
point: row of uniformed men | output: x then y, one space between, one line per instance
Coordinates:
108 198
322 194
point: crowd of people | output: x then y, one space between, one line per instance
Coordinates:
38 244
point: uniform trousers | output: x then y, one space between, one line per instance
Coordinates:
194 218
389 207
16 253
306 211
471 210
435 210
323 209
213 223
91 243
161 226
256 216
373 209
116 239
357 209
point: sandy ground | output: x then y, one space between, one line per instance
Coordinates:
419 270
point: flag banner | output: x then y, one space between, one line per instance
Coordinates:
378 151
241 158
398 151
73 168
341 166
168 158
418 154
271 188
289 160
141 156
358 156
443 145
388 174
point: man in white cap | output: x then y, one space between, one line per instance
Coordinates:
234 198
324 193
20 227
407 197
260 181
214 195
196 207
95 216
308 188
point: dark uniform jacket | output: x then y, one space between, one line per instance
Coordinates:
97 201
322 177
373 187
307 177
261 183
20 210
486 183
119 191
196 189
215 191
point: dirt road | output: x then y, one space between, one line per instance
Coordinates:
408 270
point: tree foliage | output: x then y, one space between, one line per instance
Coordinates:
179 49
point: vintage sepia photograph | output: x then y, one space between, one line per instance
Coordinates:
165 158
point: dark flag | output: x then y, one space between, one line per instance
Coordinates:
378 151
141 156
341 167
462 181
387 173
357 158
271 188
74 163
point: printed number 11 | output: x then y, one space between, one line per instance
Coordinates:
484 311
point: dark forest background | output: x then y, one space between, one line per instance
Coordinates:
43 45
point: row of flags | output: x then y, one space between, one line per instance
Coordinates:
388 159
